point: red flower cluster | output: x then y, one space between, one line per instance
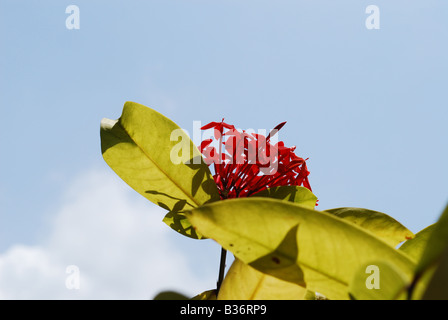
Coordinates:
245 164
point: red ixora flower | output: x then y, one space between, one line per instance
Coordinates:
245 164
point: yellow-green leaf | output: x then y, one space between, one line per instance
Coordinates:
380 224
170 295
243 282
415 247
293 243
431 281
158 160
437 242
437 286
297 194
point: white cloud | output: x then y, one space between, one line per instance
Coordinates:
118 241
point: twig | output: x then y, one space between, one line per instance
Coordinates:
222 266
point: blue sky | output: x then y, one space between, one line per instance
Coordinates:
367 107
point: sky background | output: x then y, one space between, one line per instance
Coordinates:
367 107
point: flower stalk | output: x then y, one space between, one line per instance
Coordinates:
222 267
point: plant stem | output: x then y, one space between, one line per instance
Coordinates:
222 266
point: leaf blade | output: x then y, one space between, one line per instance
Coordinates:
433 263
297 194
415 247
138 147
243 282
380 224
329 249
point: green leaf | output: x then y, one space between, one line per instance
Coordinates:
432 264
243 282
297 194
415 247
293 243
437 242
158 160
170 295
380 280
380 224
437 287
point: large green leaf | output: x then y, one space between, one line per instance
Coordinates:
293 243
381 224
158 160
297 194
243 282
